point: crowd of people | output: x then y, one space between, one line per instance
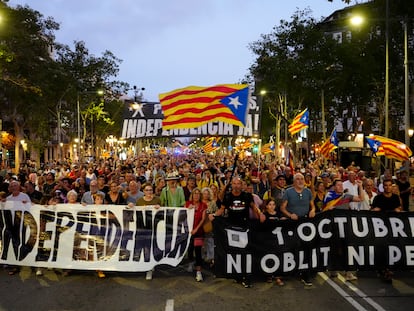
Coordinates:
214 186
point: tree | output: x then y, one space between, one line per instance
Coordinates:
41 81
301 58
26 64
88 74
291 63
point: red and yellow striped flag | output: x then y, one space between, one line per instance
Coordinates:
211 145
268 148
301 121
194 106
392 148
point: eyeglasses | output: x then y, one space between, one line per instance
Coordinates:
148 189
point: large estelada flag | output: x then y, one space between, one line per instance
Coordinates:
390 148
301 121
330 144
194 106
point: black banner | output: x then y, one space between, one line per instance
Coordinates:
334 240
144 120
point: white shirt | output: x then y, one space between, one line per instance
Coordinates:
367 202
353 190
21 197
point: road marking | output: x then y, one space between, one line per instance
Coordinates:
169 306
341 292
361 294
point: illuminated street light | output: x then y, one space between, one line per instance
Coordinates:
357 20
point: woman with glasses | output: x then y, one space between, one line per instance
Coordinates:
149 198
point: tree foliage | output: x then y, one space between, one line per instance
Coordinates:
42 81
301 58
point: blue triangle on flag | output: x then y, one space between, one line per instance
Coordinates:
238 103
373 144
304 119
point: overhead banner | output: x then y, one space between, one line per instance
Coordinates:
144 120
96 237
334 240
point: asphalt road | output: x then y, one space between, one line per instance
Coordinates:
173 288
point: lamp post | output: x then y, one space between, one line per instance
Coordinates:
406 90
356 20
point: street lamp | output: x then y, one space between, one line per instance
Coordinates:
357 20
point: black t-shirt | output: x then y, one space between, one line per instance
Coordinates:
386 204
238 207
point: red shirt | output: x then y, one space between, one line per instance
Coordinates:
198 215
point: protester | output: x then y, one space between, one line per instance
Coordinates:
338 199
405 189
207 198
50 183
35 196
297 203
369 195
318 196
387 202
115 195
16 196
172 195
134 192
238 203
271 216
190 185
87 197
197 234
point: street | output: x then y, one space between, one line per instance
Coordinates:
173 288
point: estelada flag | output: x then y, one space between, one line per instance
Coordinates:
330 144
392 148
212 144
268 148
301 121
194 106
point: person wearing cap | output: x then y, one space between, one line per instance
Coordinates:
172 195
327 181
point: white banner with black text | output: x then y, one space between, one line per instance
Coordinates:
93 237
